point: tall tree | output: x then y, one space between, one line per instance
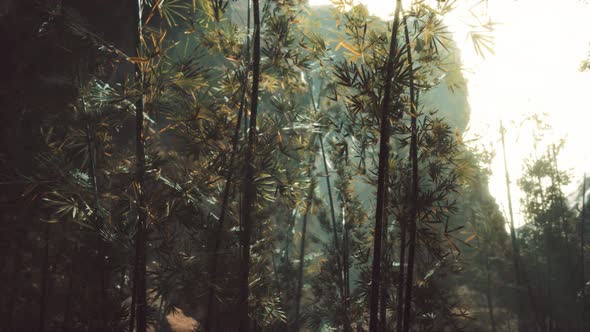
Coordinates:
139 298
228 177
339 252
306 213
383 174
412 220
249 190
515 249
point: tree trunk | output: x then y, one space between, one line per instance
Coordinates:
557 184
400 287
226 189
346 265
383 305
383 174
308 205
139 283
333 216
339 254
549 284
489 298
91 147
249 192
414 188
515 250
520 275
337 248
301 261
383 293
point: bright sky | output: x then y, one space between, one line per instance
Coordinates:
539 45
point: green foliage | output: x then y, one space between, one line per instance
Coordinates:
72 193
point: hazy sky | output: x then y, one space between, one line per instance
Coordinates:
539 45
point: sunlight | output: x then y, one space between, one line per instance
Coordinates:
538 50
382 9
539 46
270 165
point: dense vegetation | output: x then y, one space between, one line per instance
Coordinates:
264 166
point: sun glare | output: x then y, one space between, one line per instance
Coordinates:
538 48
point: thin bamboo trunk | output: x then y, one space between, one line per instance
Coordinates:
547 253
489 296
400 286
226 189
515 248
549 284
383 293
383 174
101 252
346 263
562 208
275 275
69 228
139 284
414 188
333 216
383 307
249 192
339 254
308 204
562 211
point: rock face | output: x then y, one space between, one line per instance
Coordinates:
449 97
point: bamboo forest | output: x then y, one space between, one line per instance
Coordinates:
294 165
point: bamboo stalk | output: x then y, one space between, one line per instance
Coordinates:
414 188
519 274
308 205
249 192
333 217
91 147
400 286
339 254
515 250
139 306
226 189
383 173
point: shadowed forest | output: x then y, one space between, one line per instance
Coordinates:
235 165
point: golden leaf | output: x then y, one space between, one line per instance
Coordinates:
136 59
